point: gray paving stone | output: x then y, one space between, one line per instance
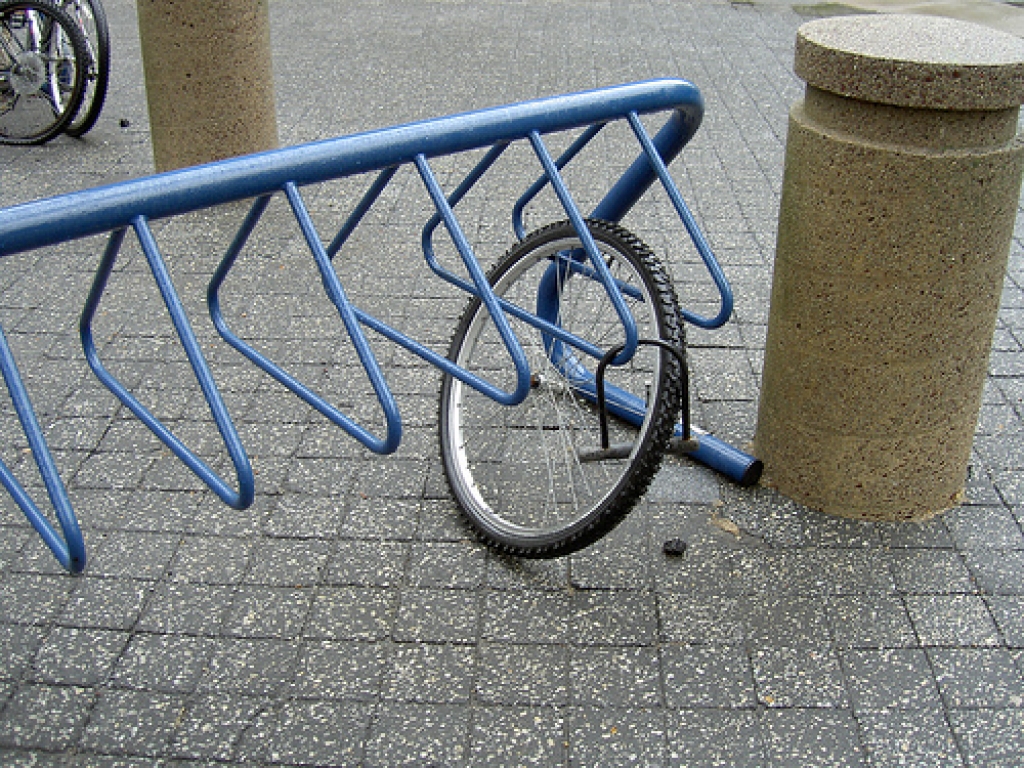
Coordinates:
975 678
134 555
305 518
288 562
931 534
329 669
616 617
440 520
707 676
1008 612
18 646
392 519
150 511
106 603
245 666
437 615
18 758
710 569
419 734
895 678
211 560
602 736
452 565
430 673
798 676
626 677
860 572
80 657
133 722
909 737
269 612
785 621
952 620
187 608
303 732
797 737
701 618
984 528
210 727
990 737
528 616
518 736
45 717
922 571
12 539
621 560
683 483
715 737
870 621
352 613
998 572
163 663
368 563
524 675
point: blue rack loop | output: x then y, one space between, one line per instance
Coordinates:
133 205
67 544
243 497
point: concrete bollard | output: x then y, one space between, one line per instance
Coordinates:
901 185
209 83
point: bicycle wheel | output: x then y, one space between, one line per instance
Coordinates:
525 476
91 17
42 72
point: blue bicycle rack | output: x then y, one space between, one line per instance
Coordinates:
132 205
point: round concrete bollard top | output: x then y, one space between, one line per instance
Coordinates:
904 60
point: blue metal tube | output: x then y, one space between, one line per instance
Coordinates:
634 183
68 546
713 452
699 241
738 466
240 499
535 189
375 190
332 286
288 381
90 212
649 167
483 288
587 240
454 198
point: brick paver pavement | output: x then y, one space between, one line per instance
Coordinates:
347 618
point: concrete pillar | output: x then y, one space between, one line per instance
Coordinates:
209 82
900 191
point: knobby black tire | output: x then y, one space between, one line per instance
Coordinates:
516 471
97 32
28 112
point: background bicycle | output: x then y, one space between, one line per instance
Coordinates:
43 60
54 69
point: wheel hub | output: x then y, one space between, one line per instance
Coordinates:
28 74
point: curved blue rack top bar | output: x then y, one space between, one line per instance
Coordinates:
94 211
